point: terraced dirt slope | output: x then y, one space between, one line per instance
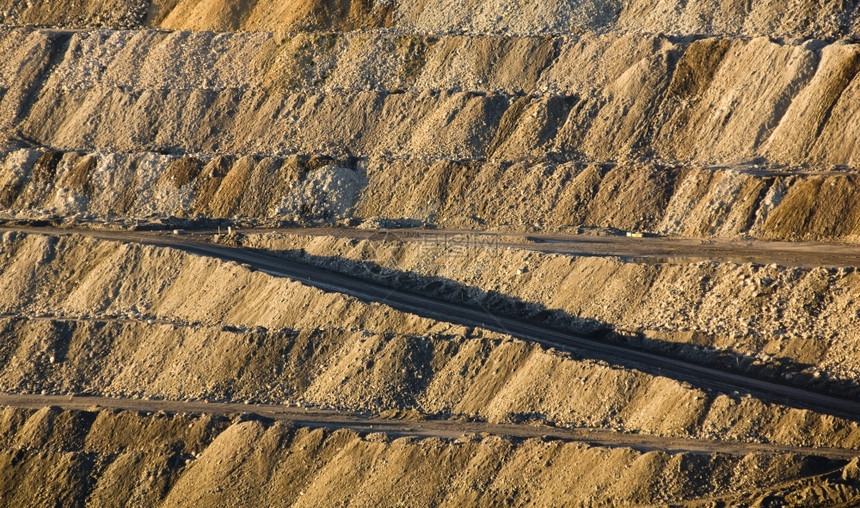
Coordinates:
649 132
698 121
804 19
158 459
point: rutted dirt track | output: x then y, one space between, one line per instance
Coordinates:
412 425
579 252
651 132
145 458
704 376
347 364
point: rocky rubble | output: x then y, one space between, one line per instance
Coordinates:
132 321
696 119
109 457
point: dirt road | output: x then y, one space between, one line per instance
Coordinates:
421 428
705 377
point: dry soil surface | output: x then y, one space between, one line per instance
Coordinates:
526 141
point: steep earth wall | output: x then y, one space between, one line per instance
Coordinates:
804 19
802 317
95 458
693 118
121 320
703 101
647 132
528 195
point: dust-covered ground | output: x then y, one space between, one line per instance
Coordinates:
87 316
103 457
633 131
695 120
803 19
804 318
108 318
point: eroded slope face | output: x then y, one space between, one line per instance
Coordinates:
641 132
532 196
798 322
217 15
134 458
704 101
105 318
805 19
699 119
90 316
